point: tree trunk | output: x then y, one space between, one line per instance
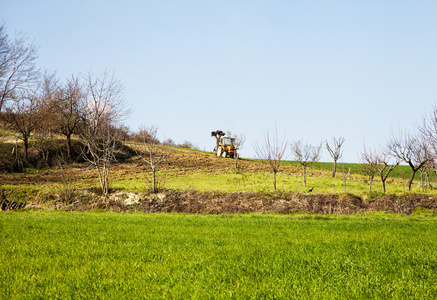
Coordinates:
69 150
106 178
217 143
421 181
383 178
274 180
102 185
334 167
153 180
304 175
410 182
370 183
26 146
428 184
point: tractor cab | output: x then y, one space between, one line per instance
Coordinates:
227 141
226 147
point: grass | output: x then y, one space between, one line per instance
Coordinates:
130 177
135 256
264 182
102 255
400 172
230 180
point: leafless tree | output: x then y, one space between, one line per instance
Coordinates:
378 161
371 161
104 100
147 135
50 90
169 142
305 155
152 153
68 105
335 151
18 71
25 114
410 149
100 153
187 145
104 110
4 48
424 174
271 153
239 139
239 142
428 130
385 168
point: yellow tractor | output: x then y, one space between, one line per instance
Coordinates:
226 147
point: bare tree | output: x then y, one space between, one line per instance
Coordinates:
371 161
428 130
187 145
239 139
50 88
104 110
100 153
385 168
18 71
410 149
271 153
68 106
335 151
305 155
238 144
424 174
152 153
4 50
169 142
378 161
25 114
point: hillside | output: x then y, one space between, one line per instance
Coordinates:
199 182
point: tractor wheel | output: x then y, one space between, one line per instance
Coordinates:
224 153
219 151
231 155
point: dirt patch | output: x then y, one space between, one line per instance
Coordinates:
195 202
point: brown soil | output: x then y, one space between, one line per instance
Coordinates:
245 202
252 202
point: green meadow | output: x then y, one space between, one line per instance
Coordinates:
233 180
49 254
102 255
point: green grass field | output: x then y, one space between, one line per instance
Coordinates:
234 181
102 255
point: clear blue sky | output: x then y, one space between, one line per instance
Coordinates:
317 68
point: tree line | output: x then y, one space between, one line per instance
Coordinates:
89 106
416 148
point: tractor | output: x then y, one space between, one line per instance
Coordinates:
226 147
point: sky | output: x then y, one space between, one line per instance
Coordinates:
313 70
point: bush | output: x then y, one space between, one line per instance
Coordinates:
422 211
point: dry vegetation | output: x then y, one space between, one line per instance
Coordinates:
75 188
